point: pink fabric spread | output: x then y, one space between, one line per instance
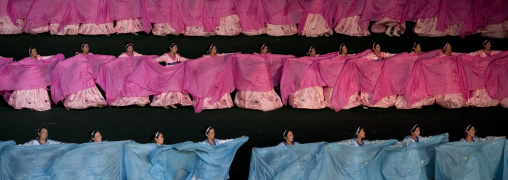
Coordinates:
124 9
306 72
483 13
350 8
3 62
75 74
392 9
18 9
433 76
191 12
214 10
113 77
495 78
28 73
152 76
395 74
420 9
274 12
326 8
204 77
161 11
453 12
251 73
44 12
86 12
245 10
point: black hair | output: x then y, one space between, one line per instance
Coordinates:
92 133
171 45
340 47
40 129
357 130
206 130
310 49
414 46
128 44
467 128
286 132
82 45
155 135
210 48
413 127
374 45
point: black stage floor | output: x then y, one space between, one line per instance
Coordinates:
263 128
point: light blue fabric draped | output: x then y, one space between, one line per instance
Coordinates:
471 160
347 162
136 161
96 160
280 162
2 145
187 159
30 162
413 161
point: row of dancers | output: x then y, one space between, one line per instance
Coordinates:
320 18
208 132
310 98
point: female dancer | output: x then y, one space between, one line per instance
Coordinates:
95 136
90 97
158 138
42 139
36 99
166 99
470 133
265 101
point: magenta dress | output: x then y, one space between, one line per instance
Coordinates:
90 97
127 101
128 26
35 99
451 101
315 26
166 99
365 98
480 97
225 101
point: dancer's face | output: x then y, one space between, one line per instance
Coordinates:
289 137
377 48
43 134
85 48
471 132
130 49
264 50
416 132
159 140
487 46
211 134
174 49
97 137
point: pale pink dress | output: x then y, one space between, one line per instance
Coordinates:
90 97
229 26
166 99
495 30
225 102
401 102
281 30
97 29
35 99
480 97
315 26
451 101
38 30
381 26
163 29
365 98
7 27
128 26
427 27
308 98
255 32
350 26
264 101
72 29
197 31
127 101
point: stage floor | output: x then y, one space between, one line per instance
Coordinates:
263 128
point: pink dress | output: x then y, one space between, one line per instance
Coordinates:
354 100
264 101
128 26
7 27
197 31
68 30
428 27
480 97
308 98
229 26
96 29
166 99
38 30
163 29
281 30
495 30
225 102
35 99
315 26
127 101
365 98
350 26
90 97
451 101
